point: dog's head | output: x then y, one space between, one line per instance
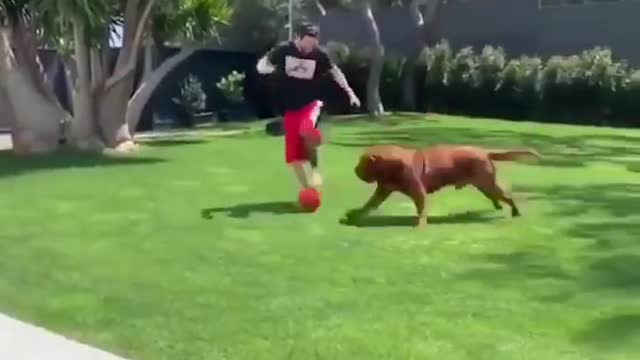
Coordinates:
366 168
375 168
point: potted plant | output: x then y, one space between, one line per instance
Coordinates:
232 87
191 98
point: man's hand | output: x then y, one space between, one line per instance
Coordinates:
264 66
338 76
353 99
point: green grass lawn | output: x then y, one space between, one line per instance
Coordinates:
186 251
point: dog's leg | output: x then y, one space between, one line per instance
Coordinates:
496 203
413 188
485 181
494 191
377 198
419 198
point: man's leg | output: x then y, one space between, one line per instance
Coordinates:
312 138
295 151
299 169
315 178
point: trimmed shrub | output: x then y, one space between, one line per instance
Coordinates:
587 88
437 64
626 104
518 87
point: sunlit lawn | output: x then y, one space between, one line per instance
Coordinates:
189 251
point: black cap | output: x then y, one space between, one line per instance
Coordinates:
308 29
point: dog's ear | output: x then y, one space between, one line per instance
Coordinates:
373 162
367 160
389 170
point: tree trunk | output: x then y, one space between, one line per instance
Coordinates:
50 76
148 60
6 111
374 103
144 92
129 28
409 81
71 77
35 119
113 97
426 26
83 130
25 47
409 68
112 109
97 69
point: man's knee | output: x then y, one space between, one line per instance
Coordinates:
312 137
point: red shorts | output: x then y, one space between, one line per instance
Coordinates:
296 123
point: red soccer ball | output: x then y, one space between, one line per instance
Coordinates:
309 199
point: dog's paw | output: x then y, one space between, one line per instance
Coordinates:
420 222
352 216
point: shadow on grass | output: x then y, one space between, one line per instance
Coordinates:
514 267
607 235
618 200
13 164
244 211
404 221
557 151
171 142
611 332
613 272
604 249
634 166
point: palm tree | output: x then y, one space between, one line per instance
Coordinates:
80 30
26 94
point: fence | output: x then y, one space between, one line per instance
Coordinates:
208 65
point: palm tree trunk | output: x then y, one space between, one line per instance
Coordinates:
149 84
426 26
83 132
34 118
374 103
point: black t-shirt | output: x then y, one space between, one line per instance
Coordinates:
300 74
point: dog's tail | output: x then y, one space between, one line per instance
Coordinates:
511 155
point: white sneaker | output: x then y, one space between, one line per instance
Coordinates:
316 179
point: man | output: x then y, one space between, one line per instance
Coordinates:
302 64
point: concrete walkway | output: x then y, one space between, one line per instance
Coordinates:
21 341
5 141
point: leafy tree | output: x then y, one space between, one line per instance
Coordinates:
103 111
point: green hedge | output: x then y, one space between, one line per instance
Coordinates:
588 88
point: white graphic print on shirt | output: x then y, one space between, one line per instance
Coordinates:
299 68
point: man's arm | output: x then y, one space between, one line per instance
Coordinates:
267 64
338 76
341 80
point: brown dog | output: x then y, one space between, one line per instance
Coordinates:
418 172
